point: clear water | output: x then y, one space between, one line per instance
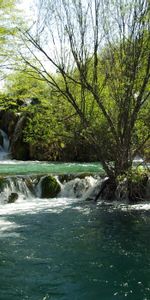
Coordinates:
35 167
68 249
64 249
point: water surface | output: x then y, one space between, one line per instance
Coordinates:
69 249
36 167
64 249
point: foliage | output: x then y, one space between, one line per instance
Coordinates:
51 121
9 20
101 55
134 175
95 60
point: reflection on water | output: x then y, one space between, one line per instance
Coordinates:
66 249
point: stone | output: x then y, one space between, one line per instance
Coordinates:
49 187
12 197
2 183
19 148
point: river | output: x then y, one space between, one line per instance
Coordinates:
69 249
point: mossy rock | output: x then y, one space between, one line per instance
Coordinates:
2 183
49 187
83 175
66 177
29 184
12 198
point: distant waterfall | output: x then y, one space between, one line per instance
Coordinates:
4 148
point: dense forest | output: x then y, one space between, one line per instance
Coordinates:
77 82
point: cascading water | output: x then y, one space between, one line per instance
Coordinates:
15 185
5 147
80 187
29 187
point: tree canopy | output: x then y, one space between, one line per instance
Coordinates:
8 23
95 58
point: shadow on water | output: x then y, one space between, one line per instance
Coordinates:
83 252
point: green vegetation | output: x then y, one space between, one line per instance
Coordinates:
9 21
136 183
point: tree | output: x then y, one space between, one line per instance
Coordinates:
50 124
102 49
7 32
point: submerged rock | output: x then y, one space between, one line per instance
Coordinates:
12 197
49 187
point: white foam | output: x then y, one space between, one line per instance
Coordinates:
24 206
142 206
5 224
77 187
7 228
124 206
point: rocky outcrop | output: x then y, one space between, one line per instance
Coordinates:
13 124
19 148
8 121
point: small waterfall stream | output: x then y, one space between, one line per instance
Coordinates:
23 180
5 147
29 187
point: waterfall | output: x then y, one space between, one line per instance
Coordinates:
29 187
18 186
78 187
4 148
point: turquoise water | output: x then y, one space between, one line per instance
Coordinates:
32 167
69 249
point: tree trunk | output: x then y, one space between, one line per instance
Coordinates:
123 161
